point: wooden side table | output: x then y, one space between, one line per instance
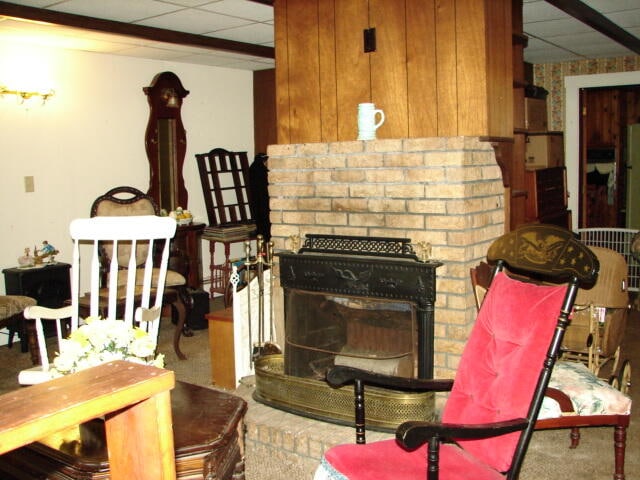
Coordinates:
220 273
49 284
187 249
223 369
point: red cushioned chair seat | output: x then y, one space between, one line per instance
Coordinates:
371 461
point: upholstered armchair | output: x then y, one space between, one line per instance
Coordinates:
127 201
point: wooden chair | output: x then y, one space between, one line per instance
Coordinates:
125 201
576 397
504 371
224 176
12 317
140 291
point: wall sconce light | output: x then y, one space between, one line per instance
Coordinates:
22 96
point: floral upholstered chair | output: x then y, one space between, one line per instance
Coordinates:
11 317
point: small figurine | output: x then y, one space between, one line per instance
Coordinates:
26 260
46 248
47 251
424 250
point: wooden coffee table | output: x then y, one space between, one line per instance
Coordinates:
208 443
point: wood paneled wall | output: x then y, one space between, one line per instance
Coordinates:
264 110
441 68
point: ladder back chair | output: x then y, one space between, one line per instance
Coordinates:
225 184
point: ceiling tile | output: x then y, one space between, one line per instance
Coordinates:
249 10
259 33
540 11
626 19
606 6
193 21
119 10
552 28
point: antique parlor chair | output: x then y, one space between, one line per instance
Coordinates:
502 376
124 201
136 296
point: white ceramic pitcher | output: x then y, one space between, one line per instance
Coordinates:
367 126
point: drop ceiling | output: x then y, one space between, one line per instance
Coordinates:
554 36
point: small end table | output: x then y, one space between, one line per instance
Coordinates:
220 273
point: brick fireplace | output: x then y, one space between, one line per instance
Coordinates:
444 191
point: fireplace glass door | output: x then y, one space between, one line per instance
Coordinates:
322 329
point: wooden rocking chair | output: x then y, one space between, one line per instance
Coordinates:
501 380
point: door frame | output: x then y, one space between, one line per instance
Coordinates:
572 86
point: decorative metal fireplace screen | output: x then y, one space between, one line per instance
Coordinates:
366 302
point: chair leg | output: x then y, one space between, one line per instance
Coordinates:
181 309
15 324
619 446
32 341
575 437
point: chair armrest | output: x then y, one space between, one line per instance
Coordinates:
562 398
44 313
414 434
339 375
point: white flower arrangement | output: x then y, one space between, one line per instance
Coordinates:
99 341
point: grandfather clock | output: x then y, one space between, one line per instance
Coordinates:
166 141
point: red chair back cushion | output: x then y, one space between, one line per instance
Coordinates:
501 362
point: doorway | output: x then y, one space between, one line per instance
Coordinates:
607 113
573 85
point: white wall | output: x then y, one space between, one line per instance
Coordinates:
90 137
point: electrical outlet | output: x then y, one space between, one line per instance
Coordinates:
29 186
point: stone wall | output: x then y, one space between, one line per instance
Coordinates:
445 191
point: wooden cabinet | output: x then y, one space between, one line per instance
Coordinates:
49 285
544 150
547 198
443 81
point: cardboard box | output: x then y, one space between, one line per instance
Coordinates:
535 115
543 151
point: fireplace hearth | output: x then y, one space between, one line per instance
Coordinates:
366 302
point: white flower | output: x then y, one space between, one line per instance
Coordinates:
99 341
